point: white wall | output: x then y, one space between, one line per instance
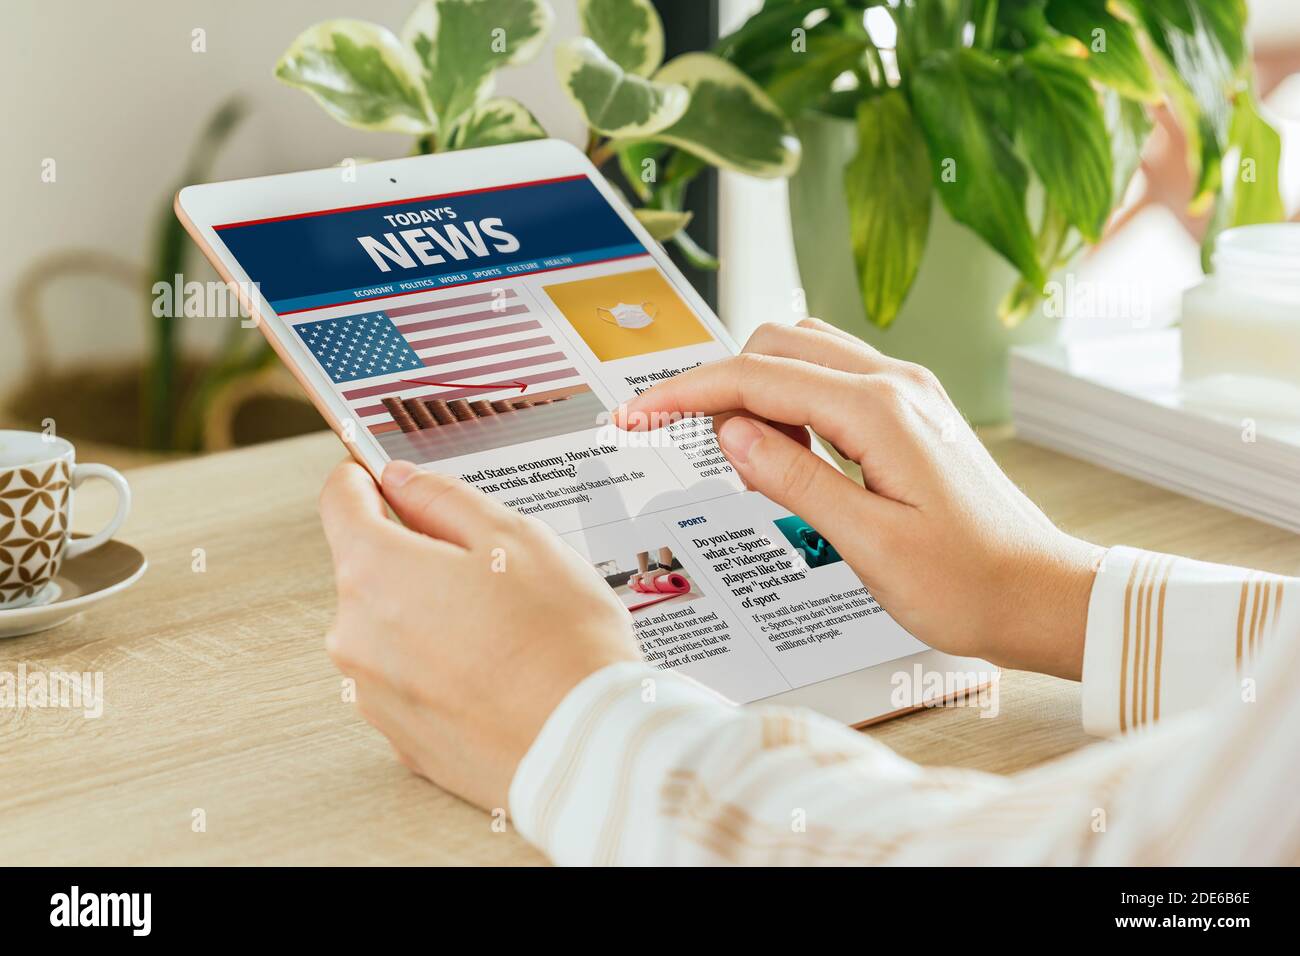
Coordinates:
759 280
113 93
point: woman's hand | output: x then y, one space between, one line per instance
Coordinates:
465 628
942 538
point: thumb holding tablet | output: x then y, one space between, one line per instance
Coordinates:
462 629
442 506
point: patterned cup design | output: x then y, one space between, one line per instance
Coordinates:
33 527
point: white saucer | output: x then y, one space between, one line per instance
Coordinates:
80 583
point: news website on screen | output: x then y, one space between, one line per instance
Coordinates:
488 334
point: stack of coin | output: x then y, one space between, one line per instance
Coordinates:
460 408
419 412
400 415
441 413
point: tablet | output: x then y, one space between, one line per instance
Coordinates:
480 313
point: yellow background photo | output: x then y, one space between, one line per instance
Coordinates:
673 327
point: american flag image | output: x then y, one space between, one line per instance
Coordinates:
397 353
358 346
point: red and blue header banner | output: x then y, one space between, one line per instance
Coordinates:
355 254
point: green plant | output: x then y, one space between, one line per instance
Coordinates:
172 410
977 99
661 123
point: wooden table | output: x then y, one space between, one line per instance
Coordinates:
220 699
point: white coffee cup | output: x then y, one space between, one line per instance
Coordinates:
38 474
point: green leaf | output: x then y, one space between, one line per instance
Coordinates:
662 224
1114 57
1251 195
1177 13
1019 303
1127 129
984 18
1254 192
762 44
170 253
683 167
697 256
1209 164
842 103
461 43
1205 140
1203 46
1201 77
730 122
641 165
1061 124
1054 232
887 185
629 31
812 70
1196 56
1223 22
493 122
360 74
677 170
1020 24
939 24
960 99
613 101
669 196
1226 20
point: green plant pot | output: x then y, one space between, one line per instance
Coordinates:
949 322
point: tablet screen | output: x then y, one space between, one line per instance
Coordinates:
488 334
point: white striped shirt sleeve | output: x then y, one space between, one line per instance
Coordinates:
1165 633
639 766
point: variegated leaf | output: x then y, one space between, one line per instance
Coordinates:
662 224
730 121
360 74
496 121
461 43
628 31
613 101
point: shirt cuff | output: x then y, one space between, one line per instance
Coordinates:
1164 633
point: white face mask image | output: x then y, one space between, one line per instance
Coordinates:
629 316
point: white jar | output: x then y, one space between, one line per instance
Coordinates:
1244 319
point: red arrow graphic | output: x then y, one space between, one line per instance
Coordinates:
522 386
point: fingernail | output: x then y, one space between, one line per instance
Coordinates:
398 473
737 437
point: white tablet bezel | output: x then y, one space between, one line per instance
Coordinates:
857 698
